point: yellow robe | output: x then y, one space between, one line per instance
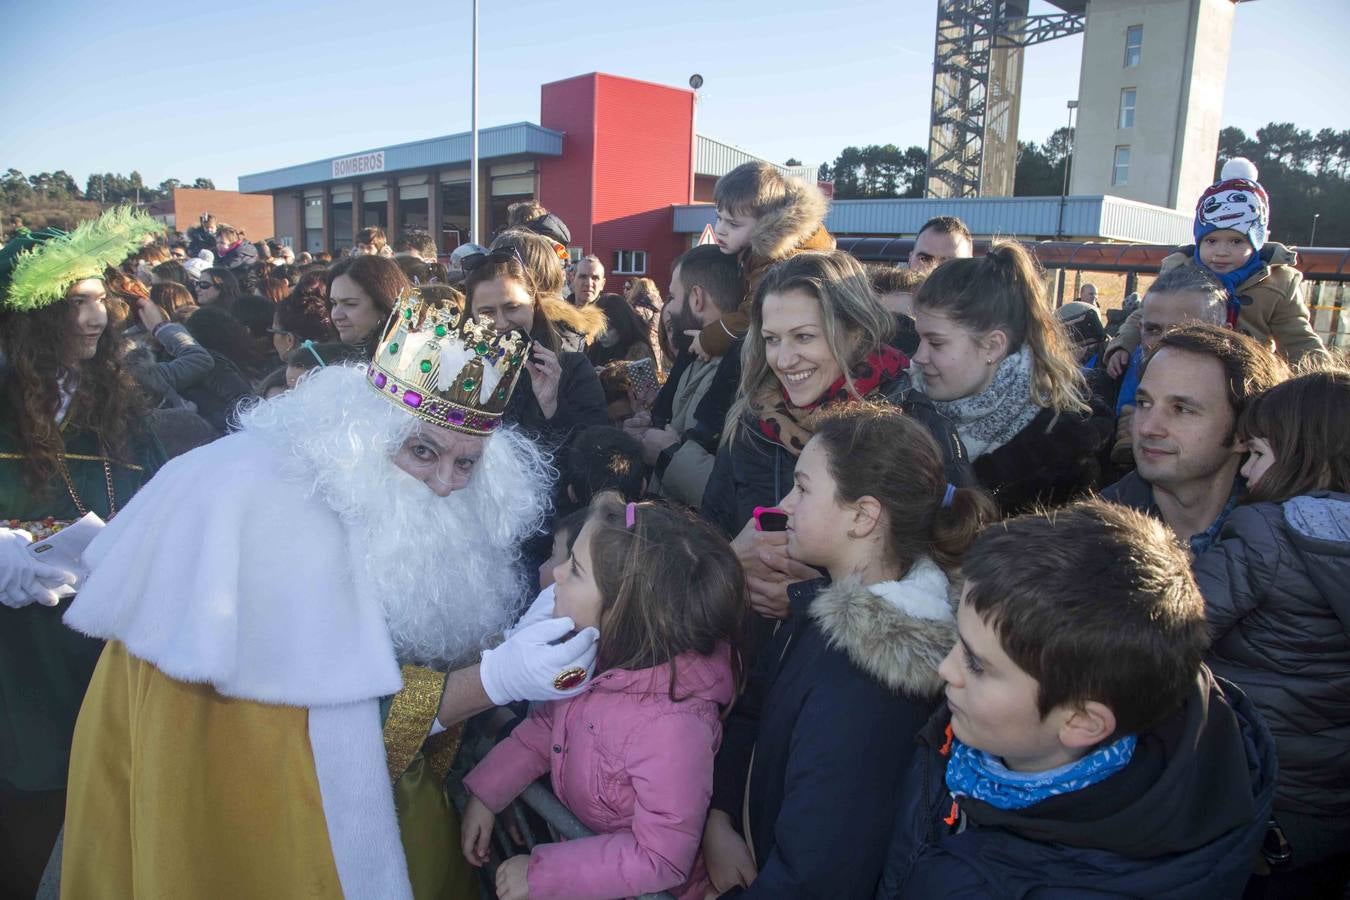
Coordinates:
163 770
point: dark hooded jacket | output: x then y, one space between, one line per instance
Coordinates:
753 470
1277 600
1182 821
813 752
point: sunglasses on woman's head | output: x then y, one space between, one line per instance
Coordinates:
476 261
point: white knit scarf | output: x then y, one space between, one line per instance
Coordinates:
989 419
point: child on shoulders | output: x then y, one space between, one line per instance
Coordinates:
763 217
1231 230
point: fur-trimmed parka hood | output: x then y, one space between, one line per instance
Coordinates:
587 321
897 631
779 232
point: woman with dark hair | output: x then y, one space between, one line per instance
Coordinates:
170 271
302 316
218 287
625 336
72 441
576 326
558 390
362 291
236 363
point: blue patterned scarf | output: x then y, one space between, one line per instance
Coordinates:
974 773
1231 280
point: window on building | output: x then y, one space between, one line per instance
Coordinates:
630 262
341 229
1120 172
1127 108
574 255
1134 45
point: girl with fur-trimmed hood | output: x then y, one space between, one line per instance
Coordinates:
806 783
763 217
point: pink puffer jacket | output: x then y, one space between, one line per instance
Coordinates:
634 766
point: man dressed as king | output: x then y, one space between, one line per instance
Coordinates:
280 609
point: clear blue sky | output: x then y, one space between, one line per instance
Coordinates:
178 91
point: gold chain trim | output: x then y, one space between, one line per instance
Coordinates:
82 457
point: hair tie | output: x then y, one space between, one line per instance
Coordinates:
309 345
947 497
630 515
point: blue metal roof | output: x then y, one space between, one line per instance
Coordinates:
1101 216
518 139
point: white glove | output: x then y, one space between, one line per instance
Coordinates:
540 609
24 580
527 666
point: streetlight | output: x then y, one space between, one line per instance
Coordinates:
1312 236
473 137
1064 189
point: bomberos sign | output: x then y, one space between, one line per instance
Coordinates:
361 164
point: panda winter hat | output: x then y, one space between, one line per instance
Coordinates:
1235 201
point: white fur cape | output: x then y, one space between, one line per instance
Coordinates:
221 571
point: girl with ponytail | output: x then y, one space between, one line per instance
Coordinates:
829 717
995 360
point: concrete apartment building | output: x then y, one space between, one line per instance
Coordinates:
1149 99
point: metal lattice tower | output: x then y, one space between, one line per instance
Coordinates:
977 77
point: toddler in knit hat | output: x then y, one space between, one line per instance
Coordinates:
1232 229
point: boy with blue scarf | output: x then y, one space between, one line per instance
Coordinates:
1084 749
1232 222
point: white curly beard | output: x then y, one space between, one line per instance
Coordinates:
446 570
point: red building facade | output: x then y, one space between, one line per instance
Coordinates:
629 159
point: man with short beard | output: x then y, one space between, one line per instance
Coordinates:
679 438
265 597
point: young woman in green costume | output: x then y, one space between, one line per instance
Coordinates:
71 442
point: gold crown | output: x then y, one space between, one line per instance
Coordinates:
439 364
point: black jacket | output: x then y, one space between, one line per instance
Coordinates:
1277 600
753 470
1053 460
1183 821
581 402
830 716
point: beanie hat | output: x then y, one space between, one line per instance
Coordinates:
197 265
1236 201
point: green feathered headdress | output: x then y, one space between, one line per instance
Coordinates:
37 267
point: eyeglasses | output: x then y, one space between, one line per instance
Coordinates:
278 331
476 261
203 285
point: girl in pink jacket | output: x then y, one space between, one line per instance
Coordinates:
631 756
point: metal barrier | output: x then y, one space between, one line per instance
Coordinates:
536 799
1326 271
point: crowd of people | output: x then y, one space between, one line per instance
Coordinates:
847 580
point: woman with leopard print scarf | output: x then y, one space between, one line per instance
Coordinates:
818 337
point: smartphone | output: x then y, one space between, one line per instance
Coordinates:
770 518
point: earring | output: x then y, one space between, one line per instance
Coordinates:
988 362
853 534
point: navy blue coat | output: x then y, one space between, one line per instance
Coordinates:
829 717
1183 821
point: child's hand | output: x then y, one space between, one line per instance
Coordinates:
1117 362
696 347
726 854
511 881
475 831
